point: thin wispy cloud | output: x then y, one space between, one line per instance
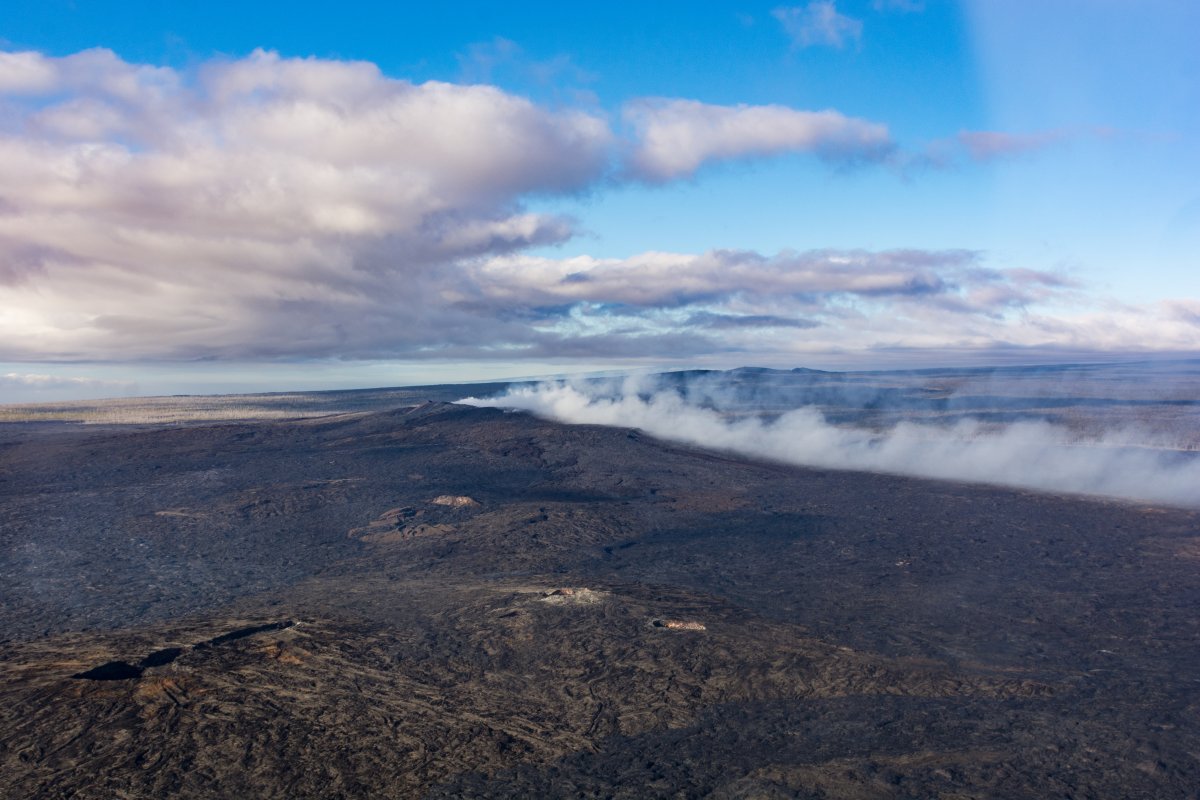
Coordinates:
34 380
818 24
483 62
17 387
991 145
899 6
708 319
982 147
481 59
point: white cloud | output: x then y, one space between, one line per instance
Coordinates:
796 305
818 23
26 73
267 207
677 279
261 206
677 137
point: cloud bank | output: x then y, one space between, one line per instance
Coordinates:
1033 455
286 208
263 207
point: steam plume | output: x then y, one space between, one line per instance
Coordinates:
1028 454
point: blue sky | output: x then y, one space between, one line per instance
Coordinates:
313 194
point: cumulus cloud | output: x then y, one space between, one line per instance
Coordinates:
260 205
818 23
674 138
25 73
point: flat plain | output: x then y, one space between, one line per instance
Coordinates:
424 599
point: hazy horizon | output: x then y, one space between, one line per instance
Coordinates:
33 389
198 202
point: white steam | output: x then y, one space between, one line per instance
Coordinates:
1034 455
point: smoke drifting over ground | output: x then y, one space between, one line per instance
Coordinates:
1000 438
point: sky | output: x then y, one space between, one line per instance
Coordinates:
314 195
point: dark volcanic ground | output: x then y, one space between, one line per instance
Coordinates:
312 608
